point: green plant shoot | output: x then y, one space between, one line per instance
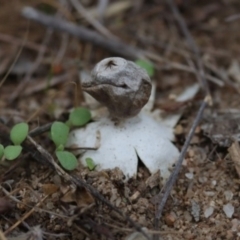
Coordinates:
67 160
79 116
19 133
147 66
59 133
1 151
12 152
91 165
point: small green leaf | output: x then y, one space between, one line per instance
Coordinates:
147 66
59 133
60 148
19 133
68 123
91 165
80 116
12 152
1 151
67 160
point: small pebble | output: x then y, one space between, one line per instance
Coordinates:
195 210
228 210
208 212
189 175
228 195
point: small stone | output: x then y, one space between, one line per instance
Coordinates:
195 211
189 175
191 153
213 183
235 225
208 212
209 193
202 179
228 195
178 129
153 180
228 210
135 196
170 219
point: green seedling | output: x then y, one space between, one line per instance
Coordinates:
59 133
60 148
148 66
67 160
79 117
1 151
12 152
19 133
91 165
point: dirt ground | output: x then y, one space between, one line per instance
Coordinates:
39 68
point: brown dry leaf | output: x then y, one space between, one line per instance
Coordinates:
69 196
83 198
170 218
5 205
153 180
79 196
35 233
234 151
49 188
6 57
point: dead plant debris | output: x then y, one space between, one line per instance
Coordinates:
38 200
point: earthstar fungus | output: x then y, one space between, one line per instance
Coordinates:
124 88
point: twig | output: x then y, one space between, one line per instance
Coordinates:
2 237
35 65
192 45
80 183
115 46
16 58
82 33
25 216
17 41
207 101
40 130
179 66
33 88
113 8
62 50
168 186
8 194
124 229
232 18
100 28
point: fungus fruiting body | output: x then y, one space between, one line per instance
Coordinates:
124 88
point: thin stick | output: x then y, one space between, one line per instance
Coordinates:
80 183
207 101
16 58
8 194
192 45
168 186
35 65
40 130
25 216
116 46
43 85
17 41
98 26
82 33
2 237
